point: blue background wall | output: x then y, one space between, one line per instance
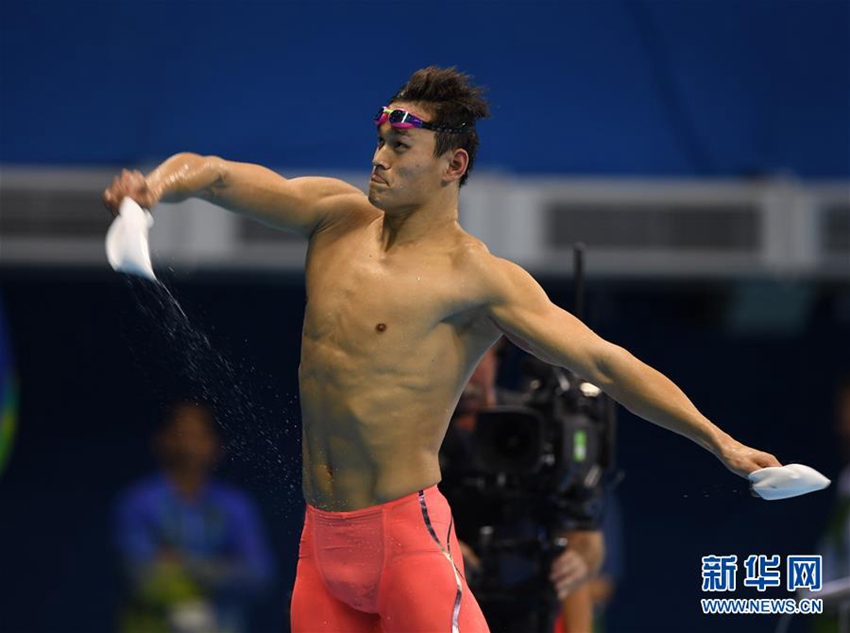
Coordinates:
606 86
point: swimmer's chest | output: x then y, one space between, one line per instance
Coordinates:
355 290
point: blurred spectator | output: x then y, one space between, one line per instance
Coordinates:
192 548
835 544
602 588
8 391
571 569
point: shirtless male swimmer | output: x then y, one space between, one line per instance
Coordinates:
402 303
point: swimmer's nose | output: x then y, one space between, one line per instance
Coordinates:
378 159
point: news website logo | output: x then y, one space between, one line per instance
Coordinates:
761 572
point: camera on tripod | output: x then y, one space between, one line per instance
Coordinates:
537 472
558 444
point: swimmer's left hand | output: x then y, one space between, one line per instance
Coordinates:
742 460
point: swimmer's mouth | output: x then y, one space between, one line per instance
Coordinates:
377 178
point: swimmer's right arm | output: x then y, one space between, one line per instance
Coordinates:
299 204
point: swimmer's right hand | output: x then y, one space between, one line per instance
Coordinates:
743 460
130 184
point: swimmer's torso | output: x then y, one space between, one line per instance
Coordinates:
389 341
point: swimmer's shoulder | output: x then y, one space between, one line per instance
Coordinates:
474 261
475 268
468 250
347 209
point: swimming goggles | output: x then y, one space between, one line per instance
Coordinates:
404 120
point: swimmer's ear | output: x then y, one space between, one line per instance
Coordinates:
458 162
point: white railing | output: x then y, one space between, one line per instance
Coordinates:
632 228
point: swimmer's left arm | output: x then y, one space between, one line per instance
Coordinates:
517 304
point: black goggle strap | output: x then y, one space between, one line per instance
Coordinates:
399 116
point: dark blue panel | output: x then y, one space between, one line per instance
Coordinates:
637 87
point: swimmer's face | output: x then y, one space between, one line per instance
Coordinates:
405 172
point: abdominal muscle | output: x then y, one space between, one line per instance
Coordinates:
371 435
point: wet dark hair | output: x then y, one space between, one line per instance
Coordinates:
454 102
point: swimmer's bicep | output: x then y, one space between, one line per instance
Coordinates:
521 309
295 204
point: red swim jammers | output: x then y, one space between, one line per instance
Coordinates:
391 568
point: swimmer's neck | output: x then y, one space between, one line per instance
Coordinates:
417 226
